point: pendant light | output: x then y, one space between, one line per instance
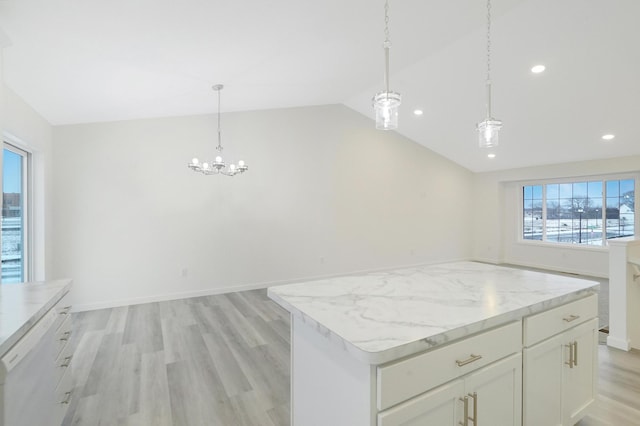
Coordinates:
488 130
386 103
218 166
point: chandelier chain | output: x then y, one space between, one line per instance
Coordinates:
488 40
219 147
386 23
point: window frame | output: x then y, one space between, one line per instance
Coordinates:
16 147
570 180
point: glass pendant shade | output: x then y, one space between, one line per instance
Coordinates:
386 107
488 133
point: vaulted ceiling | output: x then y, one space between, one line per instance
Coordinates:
88 61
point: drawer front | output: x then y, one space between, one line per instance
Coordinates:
63 363
63 395
405 379
549 323
63 334
63 310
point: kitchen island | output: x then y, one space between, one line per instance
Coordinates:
441 344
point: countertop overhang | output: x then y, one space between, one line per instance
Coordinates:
22 305
382 316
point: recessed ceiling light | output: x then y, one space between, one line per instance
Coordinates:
538 69
491 155
417 112
608 137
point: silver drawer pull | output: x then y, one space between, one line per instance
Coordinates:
471 359
571 359
465 419
474 419
65 335
65 310
571 318
66 362
67 399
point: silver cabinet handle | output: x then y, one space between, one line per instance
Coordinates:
66 361
465 418
474 419
65 310
472 358
570 363
575 353
67 399
571 318
65 335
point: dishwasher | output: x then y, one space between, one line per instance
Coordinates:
27 377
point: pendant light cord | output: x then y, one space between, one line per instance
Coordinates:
387 45
488 83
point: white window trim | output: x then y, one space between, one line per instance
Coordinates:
544 182
12 143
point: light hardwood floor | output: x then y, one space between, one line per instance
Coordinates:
215 360
224 360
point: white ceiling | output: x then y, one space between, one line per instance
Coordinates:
88 61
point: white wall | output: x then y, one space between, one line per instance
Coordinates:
326 194
24 127
496 223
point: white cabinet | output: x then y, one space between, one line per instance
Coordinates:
560 372
490 395
63 357
579 382
480 375
497 393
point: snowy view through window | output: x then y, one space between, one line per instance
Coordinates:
586 213
12 217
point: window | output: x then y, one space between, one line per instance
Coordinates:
586 212
15 202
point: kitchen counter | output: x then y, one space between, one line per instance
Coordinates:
22 305
381 316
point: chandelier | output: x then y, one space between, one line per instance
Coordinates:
386 103
488 130
218 165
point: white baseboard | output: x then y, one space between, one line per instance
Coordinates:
164 297
556 269
618 343
230 289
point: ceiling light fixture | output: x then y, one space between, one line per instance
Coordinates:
608 137
218 166
417 112
491 155
386 103
538 69
489 128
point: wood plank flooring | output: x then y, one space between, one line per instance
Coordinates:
224 360
215 360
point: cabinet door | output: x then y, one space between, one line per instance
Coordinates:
580 381
441 406
498 393
544 365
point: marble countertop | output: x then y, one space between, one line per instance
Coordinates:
382 316
22 305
